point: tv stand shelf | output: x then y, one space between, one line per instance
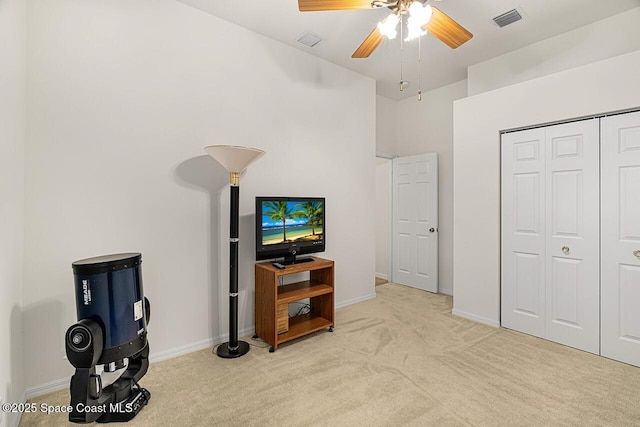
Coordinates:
297 291
269 297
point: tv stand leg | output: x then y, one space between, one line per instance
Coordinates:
330 328
271 350
255 336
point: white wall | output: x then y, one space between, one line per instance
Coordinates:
122 96
383 220
427 126
607 38
386 125
12 143
604 86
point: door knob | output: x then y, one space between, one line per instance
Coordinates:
432 230
636 253
565 250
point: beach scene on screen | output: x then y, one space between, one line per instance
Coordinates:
291 221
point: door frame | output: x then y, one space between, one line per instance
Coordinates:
390 266
389 158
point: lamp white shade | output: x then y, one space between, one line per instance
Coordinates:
234 158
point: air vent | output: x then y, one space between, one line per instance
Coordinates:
507 18
309 39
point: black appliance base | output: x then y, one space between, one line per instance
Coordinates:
224 352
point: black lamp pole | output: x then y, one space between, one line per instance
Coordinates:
235 159
233 348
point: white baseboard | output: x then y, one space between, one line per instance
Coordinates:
62 383
181 351
476 318
197 346
382 276
356 300
445 291
50 387
13 419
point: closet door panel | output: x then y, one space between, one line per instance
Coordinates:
567 277
523 229
572 235
620 212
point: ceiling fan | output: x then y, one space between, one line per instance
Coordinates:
423 18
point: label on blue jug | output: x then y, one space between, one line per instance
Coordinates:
137 311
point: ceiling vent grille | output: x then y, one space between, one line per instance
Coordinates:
309 39
507 18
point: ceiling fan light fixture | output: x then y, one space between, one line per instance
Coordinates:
388 27
421 15
418 17
414 30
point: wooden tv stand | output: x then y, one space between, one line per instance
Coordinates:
319 289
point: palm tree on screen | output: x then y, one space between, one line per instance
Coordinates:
310 210
278 211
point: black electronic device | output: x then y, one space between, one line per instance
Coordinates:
290 226
111 331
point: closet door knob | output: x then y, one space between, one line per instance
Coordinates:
565 250
636 253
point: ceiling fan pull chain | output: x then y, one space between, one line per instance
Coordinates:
419 67
401 45
403 83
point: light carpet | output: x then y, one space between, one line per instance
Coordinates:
401 359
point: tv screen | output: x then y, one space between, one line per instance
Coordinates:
289 226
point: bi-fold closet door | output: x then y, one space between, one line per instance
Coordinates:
571 234
550 233
620 222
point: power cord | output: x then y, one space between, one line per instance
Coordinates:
304 309
258 342
254 341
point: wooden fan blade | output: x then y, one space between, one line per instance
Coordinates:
318 5
446 29
369 44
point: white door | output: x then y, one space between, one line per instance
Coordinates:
620 290
550 233
573 235
415 221
523 231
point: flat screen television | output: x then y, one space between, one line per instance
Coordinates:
289 226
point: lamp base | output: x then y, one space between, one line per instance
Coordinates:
224 351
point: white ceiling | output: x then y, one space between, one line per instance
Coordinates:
343 31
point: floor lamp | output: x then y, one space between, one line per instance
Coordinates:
235 159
